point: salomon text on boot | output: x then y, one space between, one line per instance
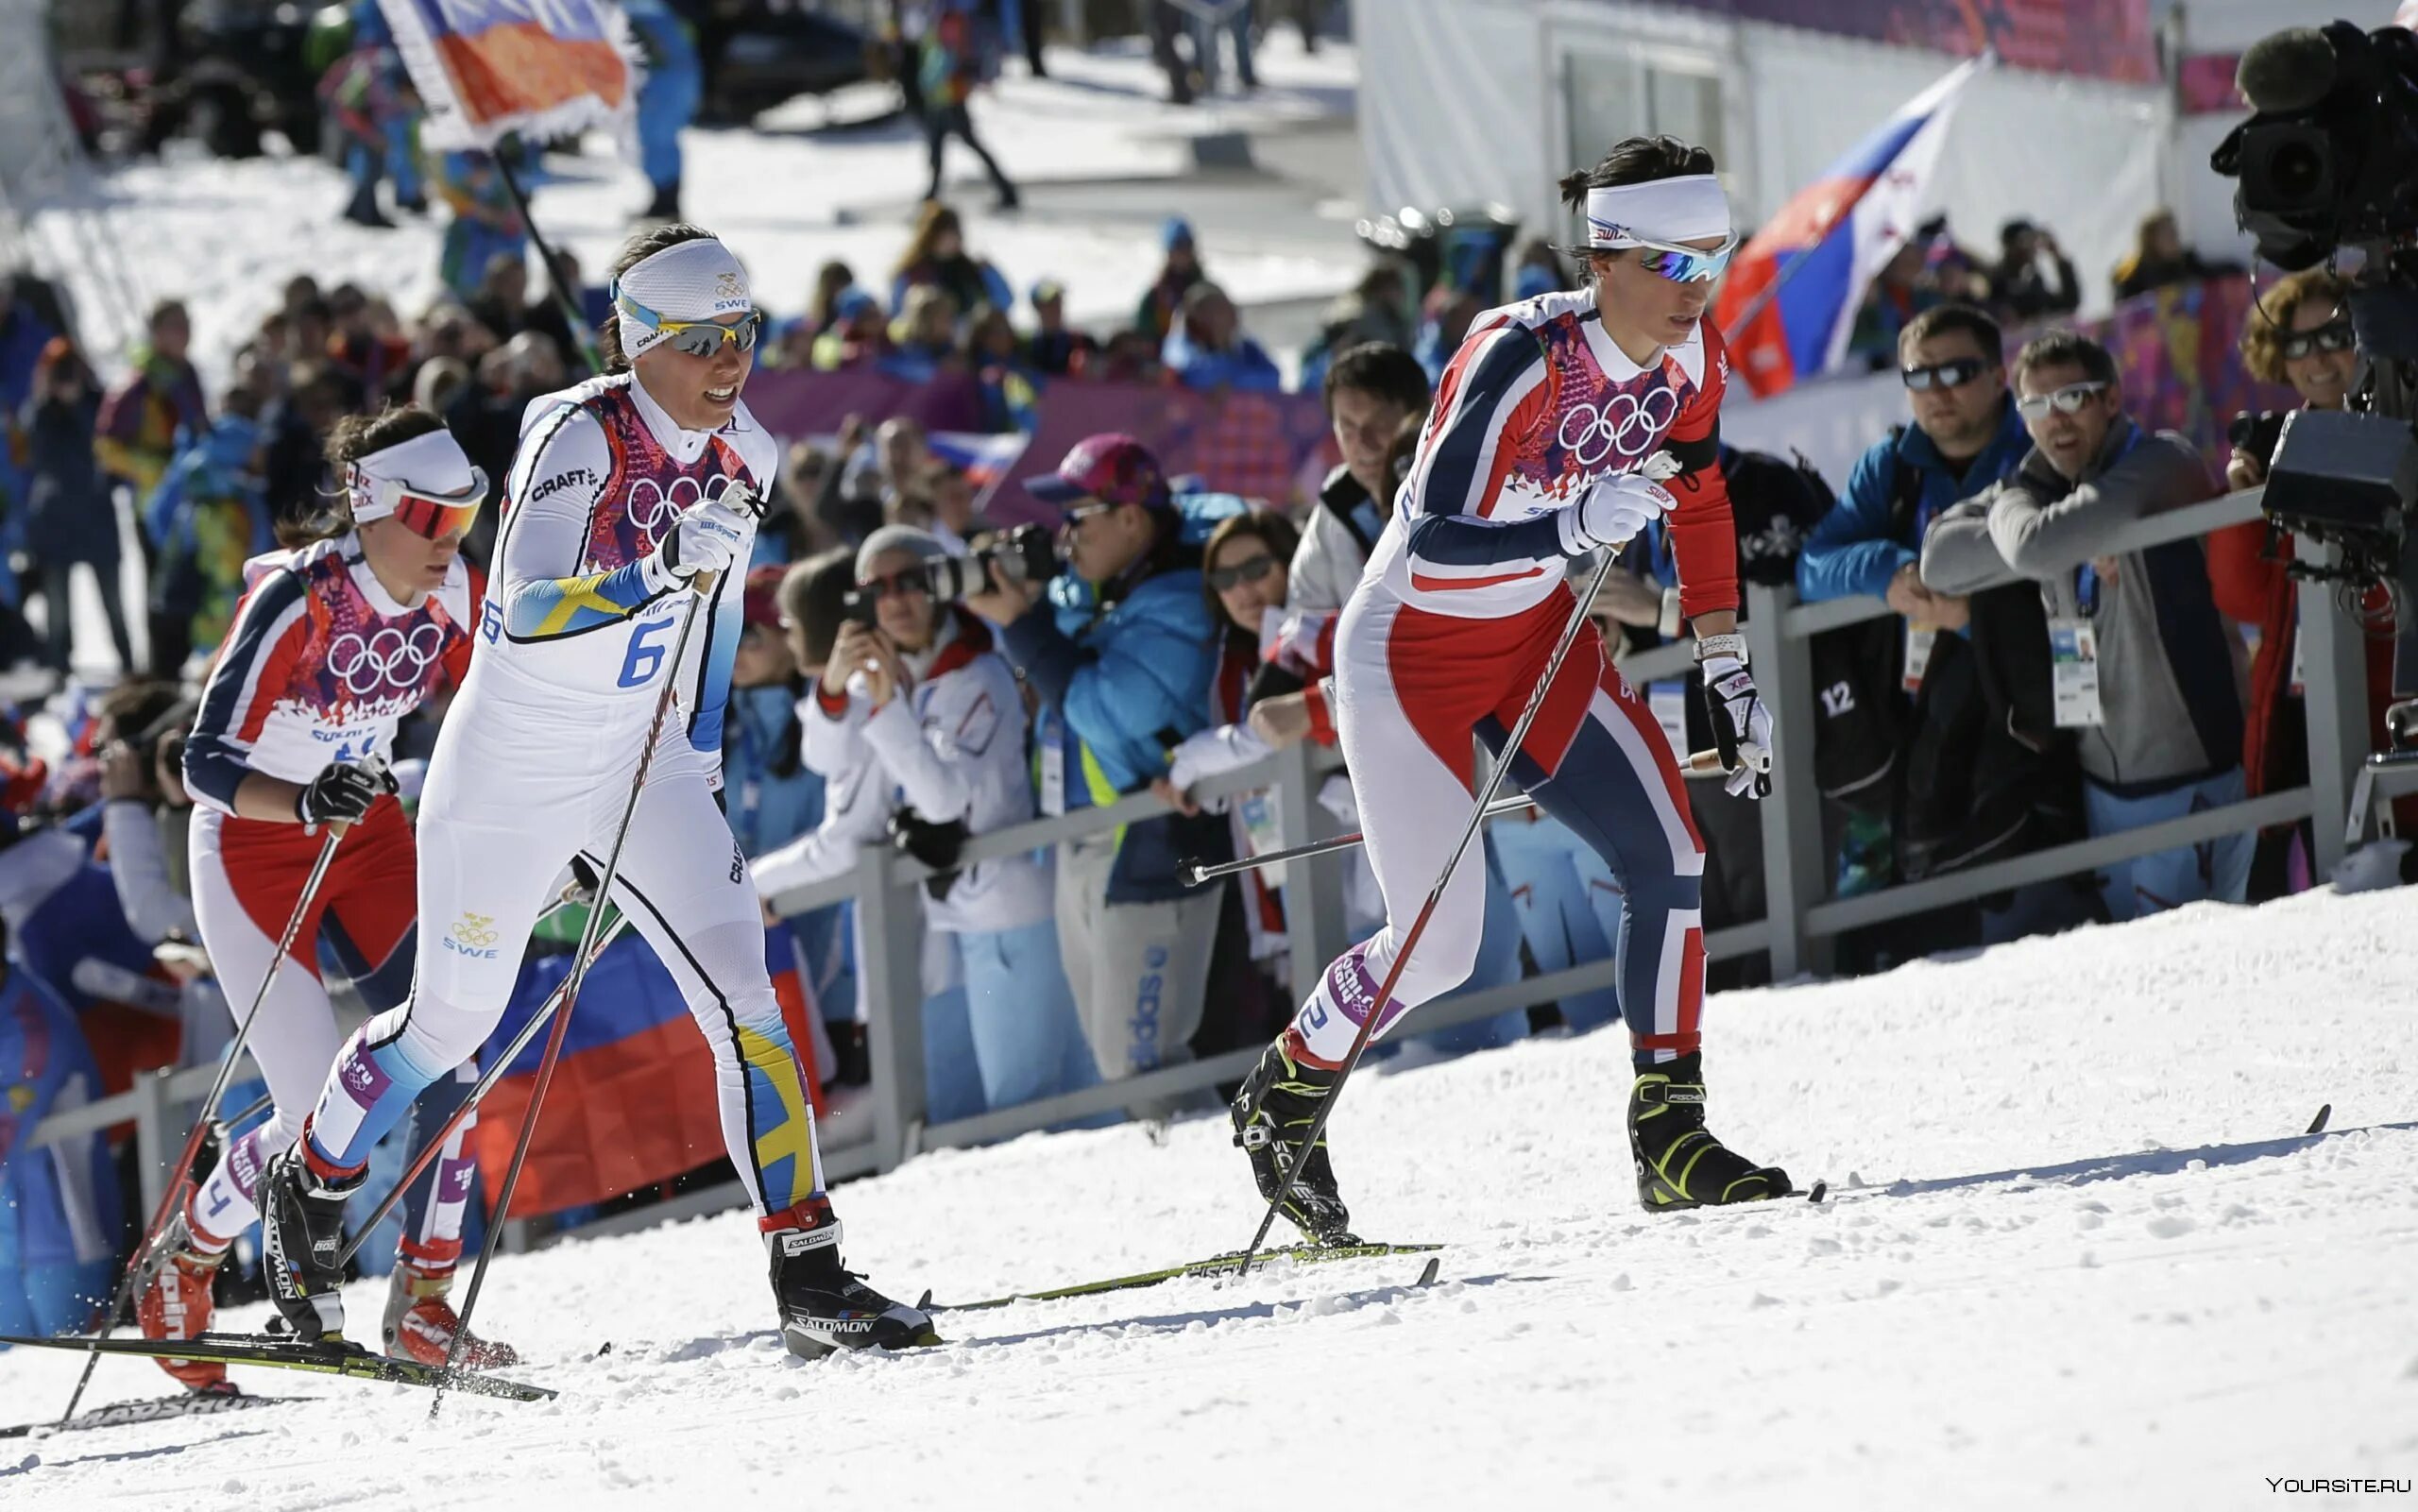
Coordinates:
1678 1163
303 1235
1274 1109
823 1305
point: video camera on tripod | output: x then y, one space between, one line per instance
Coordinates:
2329 161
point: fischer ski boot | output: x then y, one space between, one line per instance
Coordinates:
176 1302
301 1234
1271 1114
824 1307
420 1322
1678 1163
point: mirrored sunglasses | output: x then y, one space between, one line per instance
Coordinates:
2066 400
2335 335
1250 569
1943 375
423 511
1686 264
704 338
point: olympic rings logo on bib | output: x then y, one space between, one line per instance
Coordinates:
1625 426
652 507
390 660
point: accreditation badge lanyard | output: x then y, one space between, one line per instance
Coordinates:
2073 645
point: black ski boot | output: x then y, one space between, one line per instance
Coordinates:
1678 1163
824 1307
1272 1111
301 1235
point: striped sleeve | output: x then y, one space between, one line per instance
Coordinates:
556 484
254 670
1492 392
1704 536
1496 390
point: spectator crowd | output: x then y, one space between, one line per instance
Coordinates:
2033 684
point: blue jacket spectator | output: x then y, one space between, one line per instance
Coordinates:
1965 436
1122 656
60 1208
1123 651
667 100
1209 350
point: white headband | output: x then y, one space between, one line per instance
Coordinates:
695 280
432 464
1663 210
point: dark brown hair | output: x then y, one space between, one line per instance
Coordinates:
1379 369
642 246
1940 319
355 436
1265 526
2060 348
1636 161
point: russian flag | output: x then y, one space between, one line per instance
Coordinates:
1790 302
543 68
633 1101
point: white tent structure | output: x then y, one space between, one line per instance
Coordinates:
1466 102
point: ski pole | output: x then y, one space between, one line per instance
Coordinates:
1428 910
434 1144
703 586
1192 874
138 1263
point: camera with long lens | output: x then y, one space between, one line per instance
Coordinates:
2329 161
1026 555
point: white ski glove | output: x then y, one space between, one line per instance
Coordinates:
1618 506
1741 726
706 537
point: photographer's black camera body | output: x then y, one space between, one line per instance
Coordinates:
1026 555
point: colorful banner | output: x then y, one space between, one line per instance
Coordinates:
2179 353
2203 85
543 68
2098 38
1790 302
797 403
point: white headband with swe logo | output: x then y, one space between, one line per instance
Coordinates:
1665 209
687 282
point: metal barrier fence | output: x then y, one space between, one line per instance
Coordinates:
1801 918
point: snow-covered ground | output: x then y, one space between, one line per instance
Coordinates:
227 236
2077 1257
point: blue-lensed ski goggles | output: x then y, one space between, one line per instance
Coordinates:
1685 264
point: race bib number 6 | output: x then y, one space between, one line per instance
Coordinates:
647 651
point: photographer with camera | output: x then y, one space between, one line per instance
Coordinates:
914 692
2299 334
2141 665
1122 654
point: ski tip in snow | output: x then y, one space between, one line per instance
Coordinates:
1427 1277
2325 1115
1819 1191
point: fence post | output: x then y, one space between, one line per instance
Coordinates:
1794 869
152 1113
890 987
1314 926
2334 675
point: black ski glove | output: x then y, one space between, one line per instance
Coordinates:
935 846
341 794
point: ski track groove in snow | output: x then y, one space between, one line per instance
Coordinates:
2092 1263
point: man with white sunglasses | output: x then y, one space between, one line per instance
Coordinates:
2142 666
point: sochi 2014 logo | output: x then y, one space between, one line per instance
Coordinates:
1622 429
652 507
390 661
